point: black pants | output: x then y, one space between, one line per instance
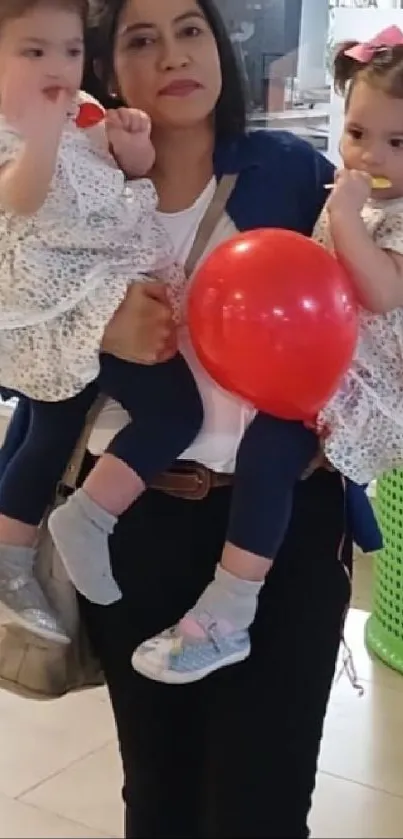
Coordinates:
166 413
235 754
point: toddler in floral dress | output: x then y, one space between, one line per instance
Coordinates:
74 235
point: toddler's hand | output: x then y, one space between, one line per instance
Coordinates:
38 114
129 119
129 136
351 191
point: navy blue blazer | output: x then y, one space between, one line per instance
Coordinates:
280 184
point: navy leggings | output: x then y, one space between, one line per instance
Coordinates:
166 413
271 459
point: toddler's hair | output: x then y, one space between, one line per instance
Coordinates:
384 71
13 9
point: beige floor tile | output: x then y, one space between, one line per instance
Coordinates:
342 808
22 821
38 739
87 792
363 739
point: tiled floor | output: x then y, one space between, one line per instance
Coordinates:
60 772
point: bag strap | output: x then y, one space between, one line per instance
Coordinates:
214 211
73 469
206 228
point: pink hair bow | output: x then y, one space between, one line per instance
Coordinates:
387 39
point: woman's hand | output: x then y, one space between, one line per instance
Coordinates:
320 461
142 330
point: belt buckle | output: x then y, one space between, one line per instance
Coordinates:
203 480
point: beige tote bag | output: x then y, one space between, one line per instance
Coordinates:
38 668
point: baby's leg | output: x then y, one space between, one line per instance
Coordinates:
27 487
166 414
271 459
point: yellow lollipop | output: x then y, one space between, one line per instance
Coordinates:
381 183
377 183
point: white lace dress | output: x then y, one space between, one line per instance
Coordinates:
365 417
65 270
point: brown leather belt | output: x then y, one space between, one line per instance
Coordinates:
190 481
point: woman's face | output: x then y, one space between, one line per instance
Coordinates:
166 61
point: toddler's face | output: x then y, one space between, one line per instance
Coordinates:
50 42
372 139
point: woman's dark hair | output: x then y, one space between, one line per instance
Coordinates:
230 116
383 71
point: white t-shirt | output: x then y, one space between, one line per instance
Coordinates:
225 416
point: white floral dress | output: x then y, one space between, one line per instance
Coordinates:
365 417
65 270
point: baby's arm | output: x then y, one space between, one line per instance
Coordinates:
25 180
129 137
377 272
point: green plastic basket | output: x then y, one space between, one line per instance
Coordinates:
384 628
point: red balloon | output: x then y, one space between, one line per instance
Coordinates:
273 318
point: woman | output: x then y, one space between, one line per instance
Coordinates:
236 754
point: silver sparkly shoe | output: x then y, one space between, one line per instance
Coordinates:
23 603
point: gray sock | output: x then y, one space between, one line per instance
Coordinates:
230 599
80 530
